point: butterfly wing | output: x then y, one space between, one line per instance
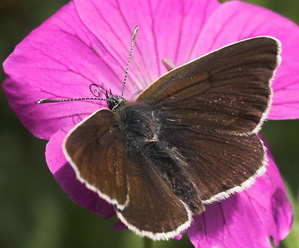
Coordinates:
227 90
94 150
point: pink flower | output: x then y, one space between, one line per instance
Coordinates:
87 41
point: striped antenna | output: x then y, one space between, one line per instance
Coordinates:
46 100
95 92
129 60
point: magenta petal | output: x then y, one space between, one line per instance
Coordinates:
166 30
120 226
66 177
247 219
282 214
236 20
60 59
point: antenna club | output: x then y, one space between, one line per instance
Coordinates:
135 33
44 101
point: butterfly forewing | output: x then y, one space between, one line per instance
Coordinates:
225 91
95 151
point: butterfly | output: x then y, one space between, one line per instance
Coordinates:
189 139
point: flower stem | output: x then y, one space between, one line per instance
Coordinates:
147 243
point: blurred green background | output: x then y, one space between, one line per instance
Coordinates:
36 213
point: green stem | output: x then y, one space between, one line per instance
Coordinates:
147 243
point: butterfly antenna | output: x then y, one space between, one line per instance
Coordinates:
95 91
130 56
69 100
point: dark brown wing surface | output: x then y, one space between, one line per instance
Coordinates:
219 165
226 91
153 210
95 151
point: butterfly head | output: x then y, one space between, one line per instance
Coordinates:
114 102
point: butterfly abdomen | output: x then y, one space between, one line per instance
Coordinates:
141 127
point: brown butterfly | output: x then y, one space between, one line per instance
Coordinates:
188 140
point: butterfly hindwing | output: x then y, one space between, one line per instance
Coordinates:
226 91
95 151
219 165
153 209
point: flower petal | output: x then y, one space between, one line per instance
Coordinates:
164 31
66 177
88 41
247 219
60 59
236 20
120 226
